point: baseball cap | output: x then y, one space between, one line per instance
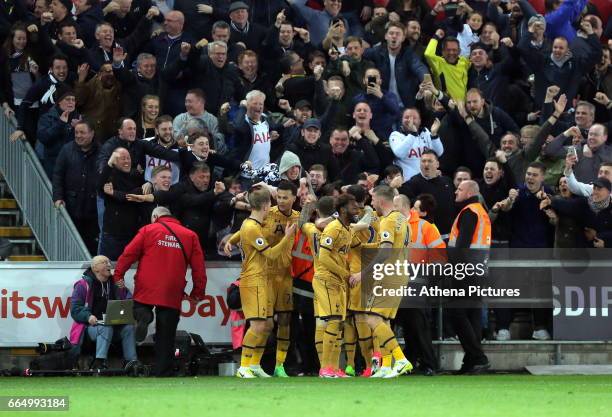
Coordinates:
303 103
603 183
312 122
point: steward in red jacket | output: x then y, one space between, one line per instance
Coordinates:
160 278
164 249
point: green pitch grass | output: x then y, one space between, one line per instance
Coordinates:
473 396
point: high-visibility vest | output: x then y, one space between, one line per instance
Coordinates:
481 239
302 266
423 234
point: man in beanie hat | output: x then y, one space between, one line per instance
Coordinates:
56 127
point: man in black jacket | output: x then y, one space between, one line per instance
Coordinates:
211 73
74 182
430 181
243 30
353 156
121 217
466 316
137 83
311 150
126 138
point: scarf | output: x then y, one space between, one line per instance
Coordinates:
598 206
562 61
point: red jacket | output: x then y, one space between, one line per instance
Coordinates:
160 278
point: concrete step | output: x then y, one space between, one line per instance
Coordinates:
517 355
24 246
10 217
16 232
27 258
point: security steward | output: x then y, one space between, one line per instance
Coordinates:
471 230
163 249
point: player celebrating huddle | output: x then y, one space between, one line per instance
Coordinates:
394 234
330 281
254 288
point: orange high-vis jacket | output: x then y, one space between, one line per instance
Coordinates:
302 266
426 244
481 239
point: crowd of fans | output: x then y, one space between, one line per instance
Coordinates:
133 104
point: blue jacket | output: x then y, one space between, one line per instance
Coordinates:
74 180
53 133
568 76
385 112
559 22
409 71
530 227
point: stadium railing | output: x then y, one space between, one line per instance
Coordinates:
56 234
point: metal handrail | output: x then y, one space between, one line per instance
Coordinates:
28 182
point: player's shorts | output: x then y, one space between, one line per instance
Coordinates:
254 299
386 306
280 293
354 299
330 298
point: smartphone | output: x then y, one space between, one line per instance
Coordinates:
371 80
450 7
571 150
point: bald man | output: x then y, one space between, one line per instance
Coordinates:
471 234
88 305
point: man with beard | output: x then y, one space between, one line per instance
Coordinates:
163 137
100 99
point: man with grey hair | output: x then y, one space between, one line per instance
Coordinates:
89 300
253 132
163 249
219 81
136 83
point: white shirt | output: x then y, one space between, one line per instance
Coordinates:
408 149
260 150
392 80
152 162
